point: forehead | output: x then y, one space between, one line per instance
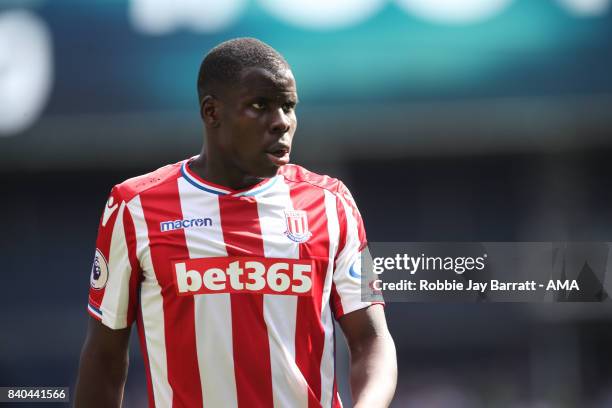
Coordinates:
262 82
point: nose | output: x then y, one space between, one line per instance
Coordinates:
280 123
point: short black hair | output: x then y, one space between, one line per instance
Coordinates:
224 63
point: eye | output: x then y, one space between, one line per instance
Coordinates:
288 107
259 105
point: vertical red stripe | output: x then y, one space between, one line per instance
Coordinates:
350 201
294 223
309 332
163 204
335 302
242 236
336 401
342 223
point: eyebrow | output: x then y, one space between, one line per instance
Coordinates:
290 99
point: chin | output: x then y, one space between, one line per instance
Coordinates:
269 172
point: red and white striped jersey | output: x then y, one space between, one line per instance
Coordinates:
233 292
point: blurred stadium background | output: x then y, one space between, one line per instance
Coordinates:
450 120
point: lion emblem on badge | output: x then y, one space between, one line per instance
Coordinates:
99 271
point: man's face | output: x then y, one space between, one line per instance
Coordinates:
258 121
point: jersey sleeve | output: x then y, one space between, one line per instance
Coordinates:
115 271
347 281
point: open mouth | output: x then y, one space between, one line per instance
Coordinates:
279 156
279 152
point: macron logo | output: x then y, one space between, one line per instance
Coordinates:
108 211
183 224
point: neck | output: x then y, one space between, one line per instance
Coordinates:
221 173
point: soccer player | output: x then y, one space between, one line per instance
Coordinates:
234 263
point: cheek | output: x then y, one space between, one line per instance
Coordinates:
293 120
293 128
246 145
244 137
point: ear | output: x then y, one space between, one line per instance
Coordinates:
209 110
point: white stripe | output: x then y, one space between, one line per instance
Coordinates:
327 360
116 293
213 313
289 388
152 310
349 288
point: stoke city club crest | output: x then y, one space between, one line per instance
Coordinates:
297 225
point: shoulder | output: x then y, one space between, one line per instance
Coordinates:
134 186
295 174
299 175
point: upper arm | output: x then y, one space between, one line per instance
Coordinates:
105 341
363 325
103 367
115 274
113 295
